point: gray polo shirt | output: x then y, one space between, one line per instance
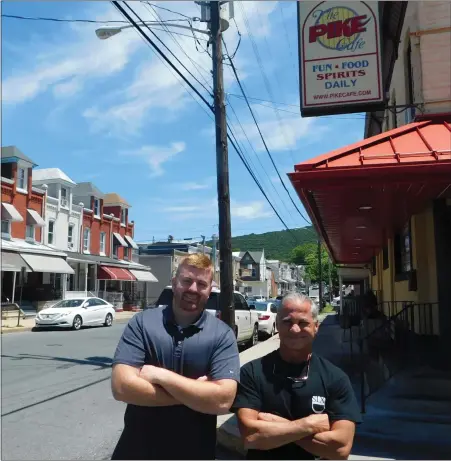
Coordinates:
207 347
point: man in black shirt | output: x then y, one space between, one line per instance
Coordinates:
176 367
292 404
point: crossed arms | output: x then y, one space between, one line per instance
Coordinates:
153 386
264 431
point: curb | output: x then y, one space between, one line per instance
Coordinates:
9 330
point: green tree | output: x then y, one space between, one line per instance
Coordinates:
307 255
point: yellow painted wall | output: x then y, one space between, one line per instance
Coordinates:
423 260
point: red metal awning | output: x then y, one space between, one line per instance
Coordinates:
114 273
358 195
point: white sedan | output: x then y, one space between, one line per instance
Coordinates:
74 313
267 312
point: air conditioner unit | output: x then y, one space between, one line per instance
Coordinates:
70 245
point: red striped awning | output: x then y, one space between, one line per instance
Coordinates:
114 273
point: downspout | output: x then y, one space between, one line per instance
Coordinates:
44 209
80 245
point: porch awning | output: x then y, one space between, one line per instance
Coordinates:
12 262
10 213
131 242
357 195
44 263
144 276
34 218
114 273
120 239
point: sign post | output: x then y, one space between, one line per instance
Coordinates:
339 52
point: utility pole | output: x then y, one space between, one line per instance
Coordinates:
222 170
203 244
331 295
320 276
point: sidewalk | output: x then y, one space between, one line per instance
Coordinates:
10 325
327 344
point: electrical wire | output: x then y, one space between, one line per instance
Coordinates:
173 12
198 67
263 139
230 135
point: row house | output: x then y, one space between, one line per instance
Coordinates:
93 229
24 244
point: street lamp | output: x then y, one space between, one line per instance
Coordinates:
106 32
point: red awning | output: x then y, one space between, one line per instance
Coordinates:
358 195
114 273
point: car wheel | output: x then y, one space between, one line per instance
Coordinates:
254 339
108 320
236 332
77 323
273 331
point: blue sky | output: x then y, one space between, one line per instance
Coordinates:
112 113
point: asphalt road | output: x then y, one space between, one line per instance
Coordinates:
56 397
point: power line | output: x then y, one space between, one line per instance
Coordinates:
195 64
262 138
154 45
173 12
230 134
90 21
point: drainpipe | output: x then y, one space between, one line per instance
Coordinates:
111 235
80 245
44 212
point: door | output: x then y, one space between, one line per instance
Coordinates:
242 317
96 310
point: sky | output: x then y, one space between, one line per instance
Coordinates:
113 113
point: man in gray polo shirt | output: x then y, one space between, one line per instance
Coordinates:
177 368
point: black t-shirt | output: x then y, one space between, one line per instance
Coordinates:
263 387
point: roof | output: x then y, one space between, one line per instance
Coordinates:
51 174
255 255
84 189
114 199
416 143
12 152
358 195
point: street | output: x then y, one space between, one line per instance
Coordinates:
56 398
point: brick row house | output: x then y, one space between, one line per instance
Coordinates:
88 230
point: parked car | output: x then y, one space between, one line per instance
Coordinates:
336 302
256 299
246 319
267 312
77 312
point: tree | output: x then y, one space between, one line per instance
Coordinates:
307 255
299 254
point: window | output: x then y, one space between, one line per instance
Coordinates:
254 272
86 239
51 232
96 207
123 215
240 303
403 251
64 199
6 228
29 233
115 252
21 182
385 260
126 252
70 235
102 242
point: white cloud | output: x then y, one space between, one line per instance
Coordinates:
202 185
157 156
239 210
250 210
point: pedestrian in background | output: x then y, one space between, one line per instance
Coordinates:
177 368
292 403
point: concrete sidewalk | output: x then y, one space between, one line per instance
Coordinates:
327 344
9 325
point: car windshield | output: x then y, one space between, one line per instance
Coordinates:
261 307
166 298
69 303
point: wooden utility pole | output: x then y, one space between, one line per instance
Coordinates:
222 170
320 276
